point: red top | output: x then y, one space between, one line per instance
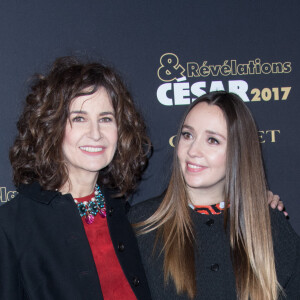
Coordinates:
114 284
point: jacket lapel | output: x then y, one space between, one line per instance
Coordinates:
77 245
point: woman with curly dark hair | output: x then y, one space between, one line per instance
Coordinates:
80 149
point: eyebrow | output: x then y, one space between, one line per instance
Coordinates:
104 113
207 131
215 133
187 126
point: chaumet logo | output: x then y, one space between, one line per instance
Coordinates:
265 136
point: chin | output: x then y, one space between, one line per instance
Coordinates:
94 168
200 183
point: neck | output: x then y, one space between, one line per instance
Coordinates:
205 196
79 187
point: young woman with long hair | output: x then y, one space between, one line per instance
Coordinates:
211 235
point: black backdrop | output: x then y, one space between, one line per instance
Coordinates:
168 52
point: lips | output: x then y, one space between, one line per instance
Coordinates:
92 149
194 167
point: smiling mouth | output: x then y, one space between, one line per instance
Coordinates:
195 168
91 149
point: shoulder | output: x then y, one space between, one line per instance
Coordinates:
285 238
143 210
287 252
11 210
31 193
29 204
281 227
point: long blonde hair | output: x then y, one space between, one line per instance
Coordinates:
246 188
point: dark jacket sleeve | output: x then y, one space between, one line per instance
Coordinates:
10 283
292 289
287 254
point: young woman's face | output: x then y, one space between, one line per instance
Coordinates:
91 134
202 148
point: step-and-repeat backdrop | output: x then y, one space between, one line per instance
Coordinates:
169 53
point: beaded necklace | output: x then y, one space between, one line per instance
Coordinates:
89 209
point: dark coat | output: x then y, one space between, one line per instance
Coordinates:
214 272
45 254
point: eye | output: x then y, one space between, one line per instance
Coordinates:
186 135
106 120
78 119
213 141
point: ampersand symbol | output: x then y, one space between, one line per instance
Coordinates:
170 68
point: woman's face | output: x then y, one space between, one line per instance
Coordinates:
202 148
91 134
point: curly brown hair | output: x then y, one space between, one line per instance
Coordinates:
36 154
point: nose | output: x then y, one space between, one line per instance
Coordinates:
95 131
195 149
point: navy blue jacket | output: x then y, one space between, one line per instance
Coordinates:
45 254
214 272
